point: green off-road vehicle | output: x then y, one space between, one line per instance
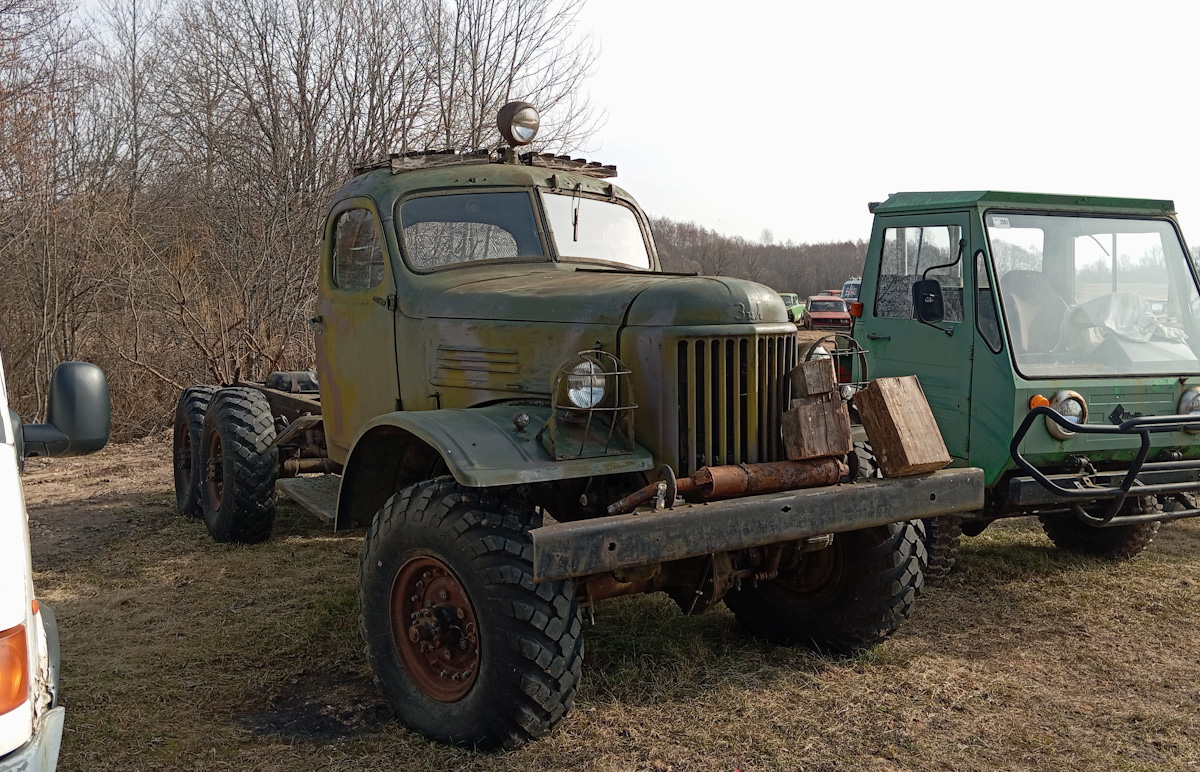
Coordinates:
529 416
1056 339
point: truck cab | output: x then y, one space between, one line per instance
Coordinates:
1058 344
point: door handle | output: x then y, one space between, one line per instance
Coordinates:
873 336
314 323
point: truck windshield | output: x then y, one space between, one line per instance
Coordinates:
594 229
451 229
1095 295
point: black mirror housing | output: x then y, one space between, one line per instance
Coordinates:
928 304
78 417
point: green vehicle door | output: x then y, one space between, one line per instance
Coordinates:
354 327
906 247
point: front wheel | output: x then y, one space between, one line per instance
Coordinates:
1118 542
842 599
465 647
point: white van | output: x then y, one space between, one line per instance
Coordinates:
31 720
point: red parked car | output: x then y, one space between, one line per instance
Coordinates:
825 312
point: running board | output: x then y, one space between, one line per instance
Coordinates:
318 495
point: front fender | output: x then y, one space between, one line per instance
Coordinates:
481 447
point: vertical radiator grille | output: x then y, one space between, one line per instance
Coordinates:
732 395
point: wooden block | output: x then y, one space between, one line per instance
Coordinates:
817 426
900 426
813 377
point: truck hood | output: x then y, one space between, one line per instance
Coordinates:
604 297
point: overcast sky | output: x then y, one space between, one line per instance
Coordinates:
793 115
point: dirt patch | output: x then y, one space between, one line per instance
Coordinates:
321 708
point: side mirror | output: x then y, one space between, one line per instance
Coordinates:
928 304
78 417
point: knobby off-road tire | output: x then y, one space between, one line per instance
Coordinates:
189 424
1119 542
240 467
942 540
465 647
843 598
941 536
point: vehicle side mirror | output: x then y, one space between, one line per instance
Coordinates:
78 416
928 304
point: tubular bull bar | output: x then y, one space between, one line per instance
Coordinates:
1148 477
602 544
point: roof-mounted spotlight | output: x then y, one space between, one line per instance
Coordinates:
518 123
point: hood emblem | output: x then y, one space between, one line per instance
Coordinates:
1119 416
747 314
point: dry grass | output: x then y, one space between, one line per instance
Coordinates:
179 653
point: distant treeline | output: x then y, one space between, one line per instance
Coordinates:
804 269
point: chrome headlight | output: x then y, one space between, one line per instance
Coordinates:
1071 406
586 385
1189 404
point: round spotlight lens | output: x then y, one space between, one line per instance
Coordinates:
518 123
586 385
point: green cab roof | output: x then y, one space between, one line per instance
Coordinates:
942 200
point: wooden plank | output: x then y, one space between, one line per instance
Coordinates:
817 426
901 427
813 377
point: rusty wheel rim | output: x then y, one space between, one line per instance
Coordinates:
215 473
818 576
183 457
434 629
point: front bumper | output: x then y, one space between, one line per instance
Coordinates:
599 545
1142 478
40 754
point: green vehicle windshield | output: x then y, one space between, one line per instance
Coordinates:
1095 296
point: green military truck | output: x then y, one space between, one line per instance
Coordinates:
529 416
1057 339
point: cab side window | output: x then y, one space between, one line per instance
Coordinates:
907 253
357 250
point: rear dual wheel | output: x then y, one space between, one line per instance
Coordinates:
239 466
188 426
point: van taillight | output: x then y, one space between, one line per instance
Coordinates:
14 669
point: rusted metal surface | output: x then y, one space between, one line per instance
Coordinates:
722 482
750 479
295 429
293 466
434 629
564 550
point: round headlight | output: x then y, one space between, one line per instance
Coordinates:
1071 406
586 385
1189 404
518 123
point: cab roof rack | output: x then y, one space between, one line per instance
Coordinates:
429 159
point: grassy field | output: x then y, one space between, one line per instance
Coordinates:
179 653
